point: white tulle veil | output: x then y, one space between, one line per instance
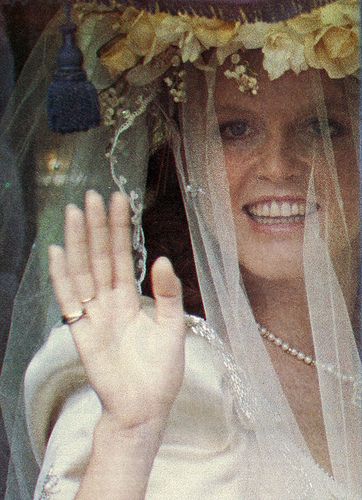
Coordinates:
66 166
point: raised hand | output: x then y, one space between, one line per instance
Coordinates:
135 363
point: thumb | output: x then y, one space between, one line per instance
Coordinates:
167 291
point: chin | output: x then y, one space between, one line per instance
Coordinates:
273 266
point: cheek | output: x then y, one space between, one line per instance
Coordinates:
239 168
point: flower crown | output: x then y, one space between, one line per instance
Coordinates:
146 48
149 45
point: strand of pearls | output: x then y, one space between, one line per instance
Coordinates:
301 356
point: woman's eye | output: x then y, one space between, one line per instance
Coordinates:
235 130
326 128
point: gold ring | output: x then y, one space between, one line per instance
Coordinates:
86 301
70 319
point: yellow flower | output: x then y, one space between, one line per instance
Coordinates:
213 32
141 36
118 57
171 29
127 19
335 49
306 23
340 14
283 51
335 14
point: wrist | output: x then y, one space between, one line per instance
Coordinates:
144 437
122 458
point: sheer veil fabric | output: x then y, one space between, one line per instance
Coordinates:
211 212
321 143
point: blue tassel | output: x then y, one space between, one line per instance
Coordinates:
73 104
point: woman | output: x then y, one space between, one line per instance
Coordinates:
260 401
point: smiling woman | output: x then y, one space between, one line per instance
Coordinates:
132 398
271 143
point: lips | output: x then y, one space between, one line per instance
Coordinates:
279 210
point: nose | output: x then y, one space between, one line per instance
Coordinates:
279 162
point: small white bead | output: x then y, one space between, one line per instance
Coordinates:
176 61
308 360
263 330
300 355
293 352
278 341
271 337
285 346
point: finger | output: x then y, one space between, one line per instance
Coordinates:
98 239
66 297
77 253
122 259
167 292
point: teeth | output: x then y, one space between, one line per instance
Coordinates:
295 209
274 209
277 209
265 210
286 210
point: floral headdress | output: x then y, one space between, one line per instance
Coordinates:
147 46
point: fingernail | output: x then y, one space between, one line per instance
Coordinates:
71 208
53 249
93 192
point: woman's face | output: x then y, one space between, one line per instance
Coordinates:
271 143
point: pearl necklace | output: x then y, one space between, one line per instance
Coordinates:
301 356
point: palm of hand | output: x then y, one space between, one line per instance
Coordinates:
134 362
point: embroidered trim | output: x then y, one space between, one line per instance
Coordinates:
50 482
245 400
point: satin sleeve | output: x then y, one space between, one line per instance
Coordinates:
61 413
69 447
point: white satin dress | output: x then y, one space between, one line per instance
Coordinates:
207 452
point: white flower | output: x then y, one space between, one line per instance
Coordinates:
252 36
191 48
283 51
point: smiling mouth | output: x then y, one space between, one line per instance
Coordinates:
279 212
